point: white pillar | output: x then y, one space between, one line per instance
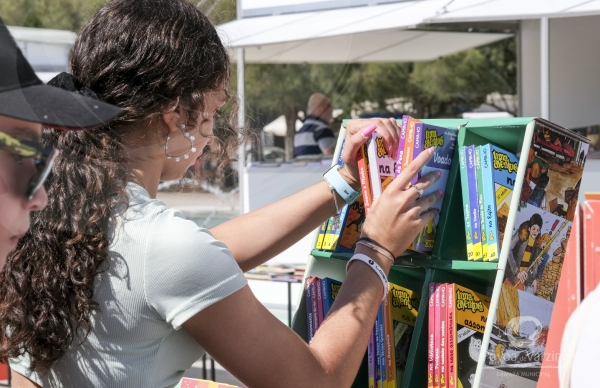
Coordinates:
241 115
545 68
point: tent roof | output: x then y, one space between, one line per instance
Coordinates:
42 35
378 33
495 10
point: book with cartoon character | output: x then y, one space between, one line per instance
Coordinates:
499 171
381 165
470 314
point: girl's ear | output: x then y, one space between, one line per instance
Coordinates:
171 117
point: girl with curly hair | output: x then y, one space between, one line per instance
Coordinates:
113 288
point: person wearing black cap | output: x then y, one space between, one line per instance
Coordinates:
26 104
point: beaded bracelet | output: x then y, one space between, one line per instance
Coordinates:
375 267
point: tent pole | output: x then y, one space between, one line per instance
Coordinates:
545 68
241 116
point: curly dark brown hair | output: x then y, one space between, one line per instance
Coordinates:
143 56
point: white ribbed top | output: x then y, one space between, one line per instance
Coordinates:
163 270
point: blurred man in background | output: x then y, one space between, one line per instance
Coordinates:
316 137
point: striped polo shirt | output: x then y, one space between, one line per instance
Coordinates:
314 137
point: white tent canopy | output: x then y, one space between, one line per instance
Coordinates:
378 33
278 127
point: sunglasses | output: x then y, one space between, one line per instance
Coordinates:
43 159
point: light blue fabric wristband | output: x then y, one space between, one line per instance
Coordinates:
339 184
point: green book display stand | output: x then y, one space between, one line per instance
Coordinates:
546 188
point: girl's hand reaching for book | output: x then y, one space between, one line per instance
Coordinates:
399 215
357 133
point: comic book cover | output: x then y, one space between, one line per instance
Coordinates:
431 335
404 304
309 315
407 156
437 339
371 360
480 192
381 165
355 217
444 141
451 346
443 330
499 171
329 291
417 146
321 234
470 313
401 143
462 155
362 160
539 238
473 203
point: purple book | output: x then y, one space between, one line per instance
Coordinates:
403 127
444 141
417 147
474 204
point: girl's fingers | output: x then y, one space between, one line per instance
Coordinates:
390 136
428 216
354 142
424 183
424 203
407 174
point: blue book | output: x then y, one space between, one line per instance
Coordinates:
329 291
499 171
382 374
465 197
309 316
473 203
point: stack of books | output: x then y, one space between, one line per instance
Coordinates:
378 169
392 333
457 317
487 175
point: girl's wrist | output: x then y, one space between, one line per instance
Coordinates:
380 259
354 182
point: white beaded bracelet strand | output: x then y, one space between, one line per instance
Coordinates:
375 267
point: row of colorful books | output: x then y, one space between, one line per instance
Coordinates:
392 333
487 175
457 317
377 170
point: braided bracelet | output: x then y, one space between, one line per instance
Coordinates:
375 243
375 267
377 249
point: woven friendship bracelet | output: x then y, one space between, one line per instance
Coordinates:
376 243
375 267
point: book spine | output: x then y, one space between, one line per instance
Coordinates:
489 201
337 233
325 296
363 170
321 234
480 194
409 143
464 184
437 338
309 316
326 246
451 336
417 147
474 207
371 360
381 341
388 344
431 335
314 303
375 179
401 143
320 315
443 328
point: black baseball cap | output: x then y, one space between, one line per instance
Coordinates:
25 97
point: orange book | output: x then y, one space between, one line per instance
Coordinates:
365 184
409 143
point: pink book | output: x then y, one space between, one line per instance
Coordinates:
431 335
437 339
443 340
319 303
398 166
450 336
